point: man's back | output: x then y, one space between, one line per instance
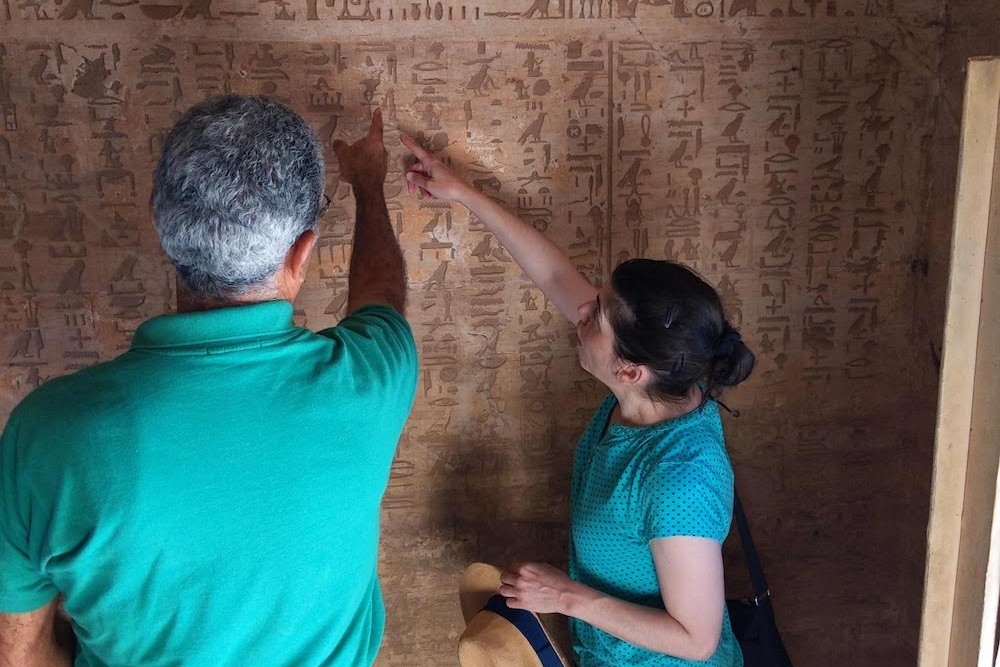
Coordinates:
211 497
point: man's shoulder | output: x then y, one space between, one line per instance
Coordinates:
376 331
74 394
374 317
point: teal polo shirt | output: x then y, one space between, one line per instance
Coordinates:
211 497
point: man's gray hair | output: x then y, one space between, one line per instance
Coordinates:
239 180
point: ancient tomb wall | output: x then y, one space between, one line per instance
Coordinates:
781 147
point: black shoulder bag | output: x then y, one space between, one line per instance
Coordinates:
753 620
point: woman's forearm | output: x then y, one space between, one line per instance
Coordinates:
544 263
651 628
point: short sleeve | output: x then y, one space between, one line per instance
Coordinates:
23 587
685 499
383 340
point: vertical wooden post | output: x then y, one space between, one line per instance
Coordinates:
960 591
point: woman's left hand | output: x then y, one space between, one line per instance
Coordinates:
537 587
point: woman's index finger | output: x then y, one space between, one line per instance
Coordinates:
415 148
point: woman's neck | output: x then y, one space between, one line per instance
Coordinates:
637 409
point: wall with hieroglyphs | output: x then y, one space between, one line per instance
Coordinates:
781 147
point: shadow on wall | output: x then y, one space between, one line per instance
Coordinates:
503 496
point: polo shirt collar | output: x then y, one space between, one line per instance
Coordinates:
220 327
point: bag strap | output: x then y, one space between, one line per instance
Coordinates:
760 590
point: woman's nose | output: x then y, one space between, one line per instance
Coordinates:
585 311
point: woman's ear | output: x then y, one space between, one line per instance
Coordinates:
630 374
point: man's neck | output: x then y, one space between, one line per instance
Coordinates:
191 303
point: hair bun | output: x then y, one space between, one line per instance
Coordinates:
733 361
728 341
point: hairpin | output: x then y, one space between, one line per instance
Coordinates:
678 363
671 314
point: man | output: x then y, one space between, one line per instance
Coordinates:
211 497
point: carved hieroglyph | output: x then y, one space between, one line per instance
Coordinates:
778 146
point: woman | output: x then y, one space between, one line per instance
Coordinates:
652 486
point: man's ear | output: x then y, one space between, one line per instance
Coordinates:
297 258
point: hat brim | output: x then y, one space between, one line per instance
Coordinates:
479 583
490 639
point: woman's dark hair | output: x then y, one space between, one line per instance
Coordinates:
667 318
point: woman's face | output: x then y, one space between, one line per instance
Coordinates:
596 346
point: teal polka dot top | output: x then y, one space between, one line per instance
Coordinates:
633 485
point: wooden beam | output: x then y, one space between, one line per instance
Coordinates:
984 446
967 449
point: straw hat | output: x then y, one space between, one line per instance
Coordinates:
496 635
